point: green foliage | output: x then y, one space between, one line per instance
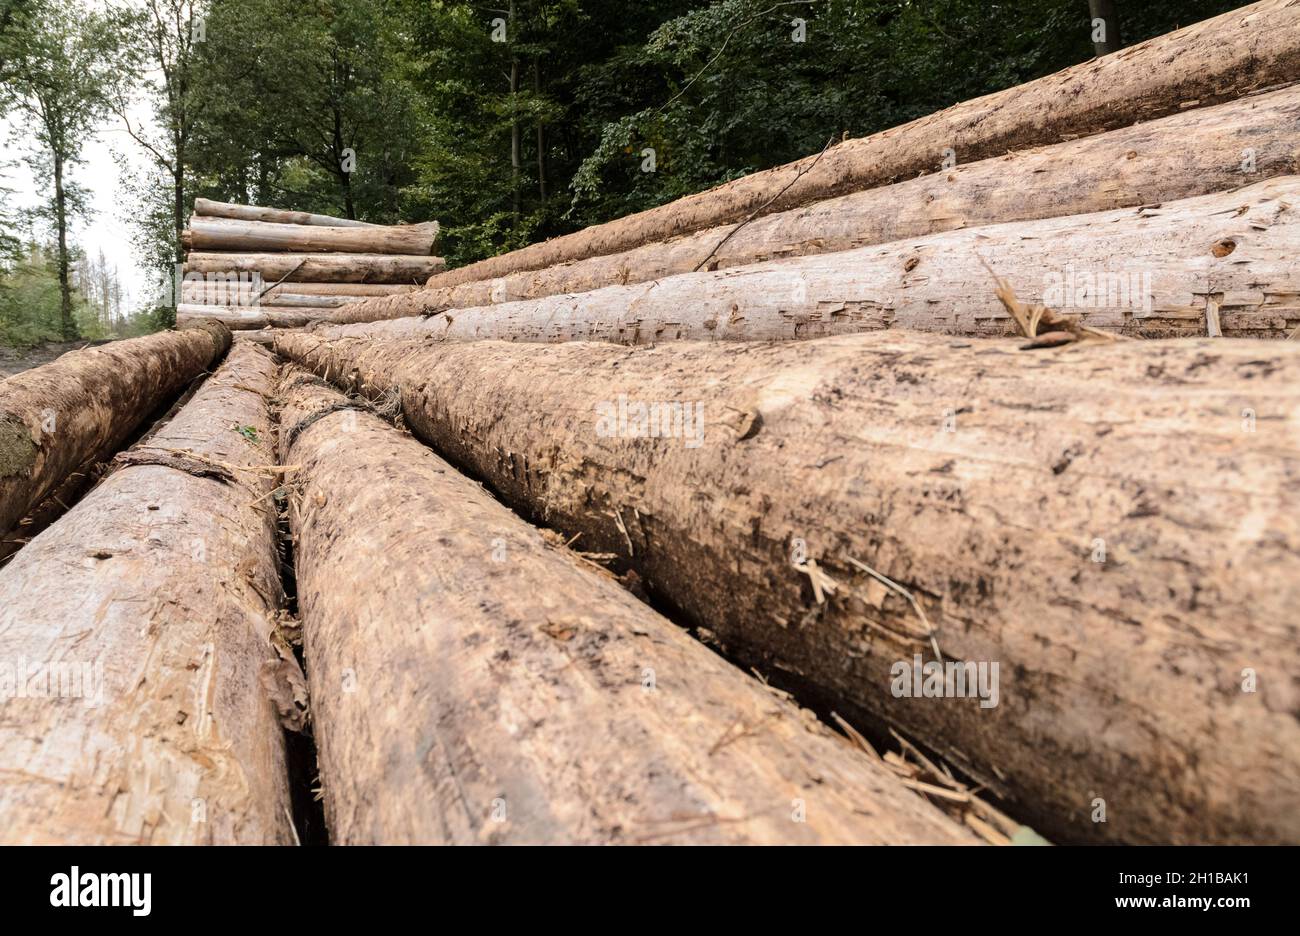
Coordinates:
508 122
29 300
56 68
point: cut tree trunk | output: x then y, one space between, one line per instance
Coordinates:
78 482
351 290
50 508
275 298
1248 140
306 300
242 317
83 406
252 236
307 268
215 209
263 336
223 292
1115 525
142 623
1160 271
424 598
1206 63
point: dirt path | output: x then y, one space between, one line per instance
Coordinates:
16 360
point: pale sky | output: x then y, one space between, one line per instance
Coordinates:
100 174
106 228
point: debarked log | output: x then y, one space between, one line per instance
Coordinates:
136 642
58 417
1217 264
1107 535
561 709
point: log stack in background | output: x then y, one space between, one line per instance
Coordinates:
305 262
1107 521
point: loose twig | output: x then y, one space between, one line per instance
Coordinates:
279 281
759 210
900 590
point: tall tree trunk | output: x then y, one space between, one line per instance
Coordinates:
67 327
345 176
541 135
178 203
348 205
1105 26
515 159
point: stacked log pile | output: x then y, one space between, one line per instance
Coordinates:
252 267
993 464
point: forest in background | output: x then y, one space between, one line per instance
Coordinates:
507 122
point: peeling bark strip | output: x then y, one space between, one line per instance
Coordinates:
216 209
1206 63
560 708
156 596
223 234
1152 272
325 268
1116 525
57 417
1141 165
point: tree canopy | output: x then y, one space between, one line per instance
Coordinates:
519 120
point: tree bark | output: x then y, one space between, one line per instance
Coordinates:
244 317
67 325
156 596
328 268
224 292
253 236
214 209
274 298
1106 18
1142 165
1170 270
625 719
1115 525
515 159
56 417
351 290
1206 63
541 134
75 485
